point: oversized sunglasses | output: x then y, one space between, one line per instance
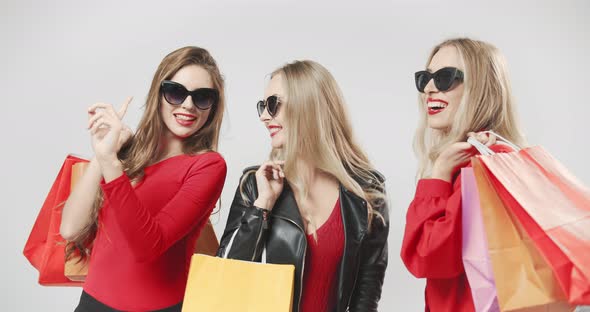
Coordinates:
443 78
175 94
271 104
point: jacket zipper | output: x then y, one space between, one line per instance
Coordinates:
303 265
357 257
258 240
355 278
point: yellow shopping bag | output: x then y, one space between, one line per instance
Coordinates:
224 285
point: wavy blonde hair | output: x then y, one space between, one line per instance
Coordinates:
319 132
145 147
486 104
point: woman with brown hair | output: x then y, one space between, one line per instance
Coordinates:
144 198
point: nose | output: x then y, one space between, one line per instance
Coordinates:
188 103
265 116
430 87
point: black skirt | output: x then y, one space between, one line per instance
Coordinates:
90 304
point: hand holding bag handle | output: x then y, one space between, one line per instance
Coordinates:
485 150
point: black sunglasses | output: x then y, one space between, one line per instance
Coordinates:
271 104
443 78
175 94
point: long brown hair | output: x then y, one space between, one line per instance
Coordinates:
145 147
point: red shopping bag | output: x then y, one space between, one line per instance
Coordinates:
553 207
45 248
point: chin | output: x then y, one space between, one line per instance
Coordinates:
276 143
437 125
182 134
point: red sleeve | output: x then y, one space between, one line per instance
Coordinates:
149 235
432 240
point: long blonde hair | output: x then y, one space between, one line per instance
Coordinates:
486 104
319 132
145 147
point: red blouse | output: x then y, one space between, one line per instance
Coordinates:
147 233
322 261
431 247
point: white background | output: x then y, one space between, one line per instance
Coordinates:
58 57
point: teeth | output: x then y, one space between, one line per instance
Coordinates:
183 117
436 105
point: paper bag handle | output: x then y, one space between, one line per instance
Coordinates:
231 242
485 150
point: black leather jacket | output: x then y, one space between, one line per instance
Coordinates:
362 269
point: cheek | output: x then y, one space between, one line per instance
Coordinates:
283 137
456 95
278 118
164 111
454 98
279 140
456 101
204 117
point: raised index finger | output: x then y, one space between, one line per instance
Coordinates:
123 110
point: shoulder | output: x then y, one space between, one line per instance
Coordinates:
207 161
248 175
247 187
379 177
372 179
207 157
250 169
210 156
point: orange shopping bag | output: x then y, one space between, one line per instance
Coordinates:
524 280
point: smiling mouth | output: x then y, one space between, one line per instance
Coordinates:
274 130
184 117
436 106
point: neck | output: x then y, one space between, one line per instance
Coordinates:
309 172
314 178
171 146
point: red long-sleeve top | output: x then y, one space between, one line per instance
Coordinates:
431 247
147 232
322 262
